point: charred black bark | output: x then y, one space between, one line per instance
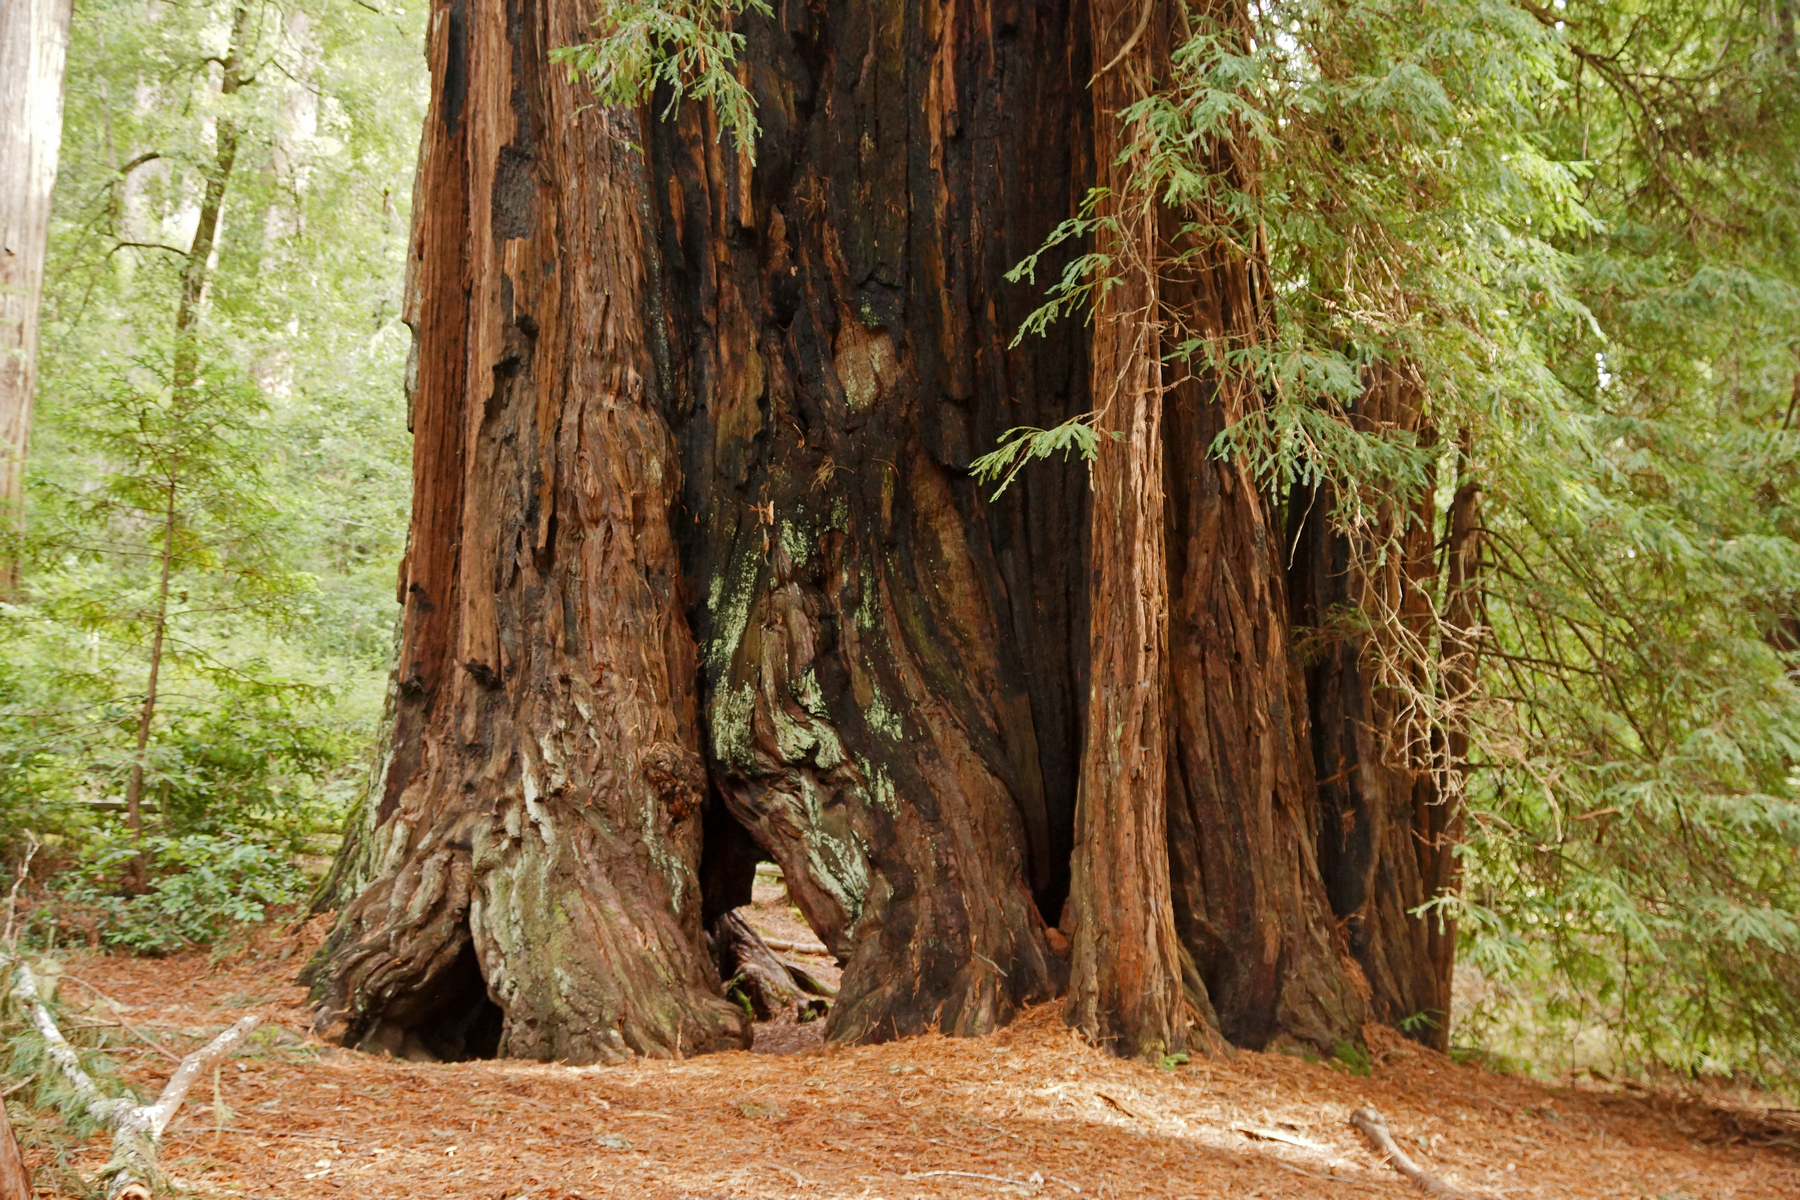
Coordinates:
889 660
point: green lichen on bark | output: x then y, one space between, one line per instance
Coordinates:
733 738
731 602
881 718
794 541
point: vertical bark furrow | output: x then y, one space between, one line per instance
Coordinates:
838 352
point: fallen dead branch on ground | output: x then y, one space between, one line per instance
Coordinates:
132 1172
1372 1126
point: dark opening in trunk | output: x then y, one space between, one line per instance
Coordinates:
451 1018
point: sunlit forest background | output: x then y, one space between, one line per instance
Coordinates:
1577 224
284 478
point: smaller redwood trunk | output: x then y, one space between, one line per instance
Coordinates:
1250 908
1364 626
1386 830
1125 983
1444 822
34 48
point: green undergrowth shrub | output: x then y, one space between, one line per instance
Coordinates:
200 886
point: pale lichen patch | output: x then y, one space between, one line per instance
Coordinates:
728 635
839 864
880 786
539 816
733 738
866 615
882 719
811 696
793 541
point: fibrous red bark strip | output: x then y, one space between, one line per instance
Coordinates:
1125 984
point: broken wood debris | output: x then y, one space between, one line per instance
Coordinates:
1373 1126
132 1172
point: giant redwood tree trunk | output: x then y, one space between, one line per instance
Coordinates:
528 882
631 336
696 558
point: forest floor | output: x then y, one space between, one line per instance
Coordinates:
1028 1111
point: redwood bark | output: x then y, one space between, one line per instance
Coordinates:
1366 620
532 887
15 1180
1125 987
889 661
34 49
1236 878
1250 903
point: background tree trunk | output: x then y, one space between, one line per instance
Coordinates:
34 49
1381 815
533 888
889 661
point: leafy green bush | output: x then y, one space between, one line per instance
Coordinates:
199 885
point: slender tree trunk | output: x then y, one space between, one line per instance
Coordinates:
197 269
147 711
1267 957
34 46
1125 985
1442 823
183 377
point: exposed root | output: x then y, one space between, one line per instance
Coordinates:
132 1172
1370 1124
